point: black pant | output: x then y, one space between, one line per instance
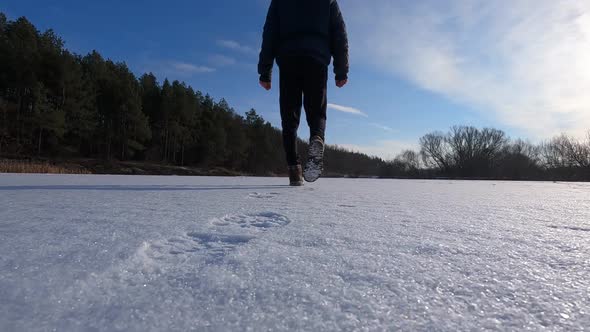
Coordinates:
303 82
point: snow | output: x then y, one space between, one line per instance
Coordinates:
118 253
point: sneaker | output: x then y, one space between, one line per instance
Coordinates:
315 159
295 178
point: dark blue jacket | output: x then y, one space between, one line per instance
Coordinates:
312 28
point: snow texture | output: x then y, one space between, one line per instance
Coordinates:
116 253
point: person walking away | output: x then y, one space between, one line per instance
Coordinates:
303 36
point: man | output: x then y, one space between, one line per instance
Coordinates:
302 36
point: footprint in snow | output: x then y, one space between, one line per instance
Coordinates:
263 195
260 221
212 246
571 228
226 233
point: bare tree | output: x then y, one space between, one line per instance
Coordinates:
435 151
525 148
409 161
566 151
473 150
553 151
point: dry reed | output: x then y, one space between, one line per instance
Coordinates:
28 166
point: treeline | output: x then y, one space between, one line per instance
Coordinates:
55 103
468 152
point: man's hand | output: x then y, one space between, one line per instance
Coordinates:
265 85
341 83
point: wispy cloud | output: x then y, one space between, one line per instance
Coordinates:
175 69
384 149
222 60
346 109
189 68
236 46
382 127
523 61
8 15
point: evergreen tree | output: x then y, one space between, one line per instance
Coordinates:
48 121
20 69
79 106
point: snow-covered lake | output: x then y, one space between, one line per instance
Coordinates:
108 253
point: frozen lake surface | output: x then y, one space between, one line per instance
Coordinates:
118 253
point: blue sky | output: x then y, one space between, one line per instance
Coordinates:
522 65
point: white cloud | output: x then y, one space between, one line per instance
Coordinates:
9 16
346 109
222 60
385 149
382 127
236 46
188 68
174 69
526 62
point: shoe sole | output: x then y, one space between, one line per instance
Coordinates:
315 163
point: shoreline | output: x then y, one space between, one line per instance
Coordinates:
90 166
